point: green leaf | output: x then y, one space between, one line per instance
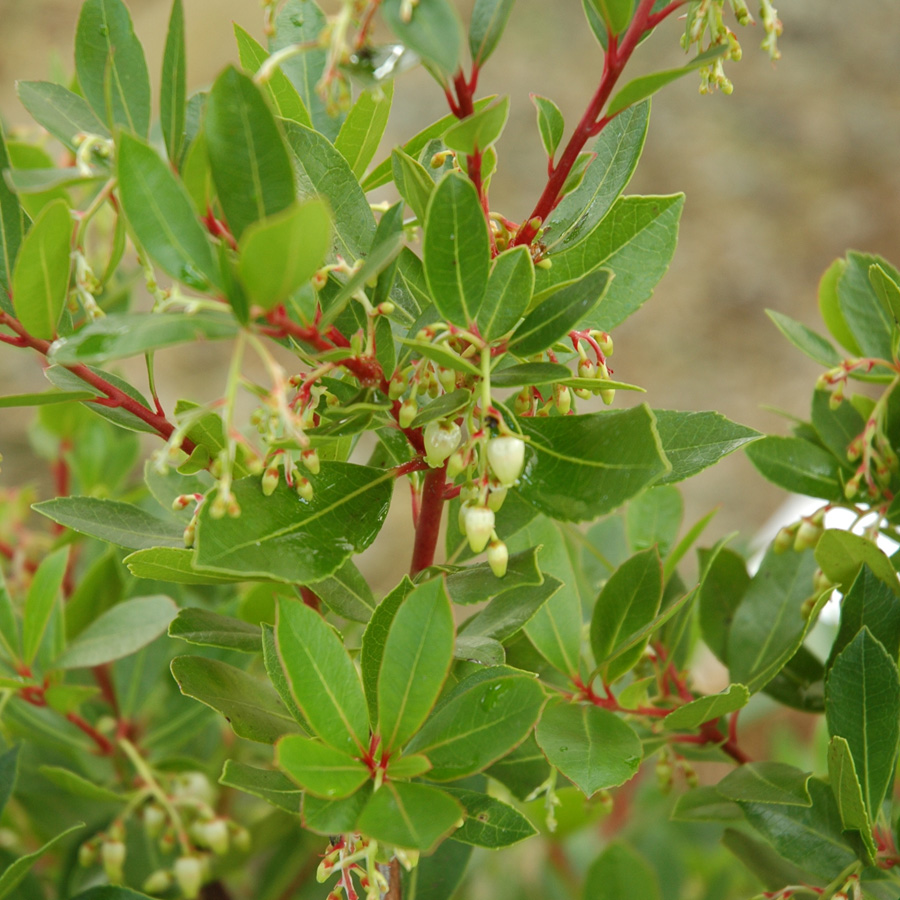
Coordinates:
635 240
797 465
63 113
44 397
415 661
805 339
42 180
249 161
483 650
654 518
510 611
836 427
42 595
9 627
120 335
705 804
160 211
119 632
646 85
442 355
40 281
769 626
282 252
586 466
480 720
413 816
329 817
438 876
9 766
114 521
412 181
628 601
173 91
555 316
16 871
887 289
871 324
508 294
296 541
319 769
363 128
456 250
809 837
111 68
830 309
12 229
287 102
267 784
862 705
174 564
211 629
616 14
347 593
486 25
408 766
773 871
477 583
592 747
767 782
252 707
479 130
75 784
433 31
444 406
709 708
323 680
840 554
693 441
533 373
617 150
551 124
489 822
620 872
322 172
848 792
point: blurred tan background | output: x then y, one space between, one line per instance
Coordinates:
798 165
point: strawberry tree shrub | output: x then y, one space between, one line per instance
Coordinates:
200 693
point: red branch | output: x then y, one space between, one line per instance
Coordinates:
429 520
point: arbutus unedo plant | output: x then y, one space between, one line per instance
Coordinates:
512 682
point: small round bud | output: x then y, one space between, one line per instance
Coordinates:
496 497
320 279
807 607
506 456
447 378
808 535
397 385
457 463
304 489
270 480
190 533
606 343
784 540
215 836
240 837
189 875
194 786
479 526
523 402
441 439
563 400
154 819
87 854
821 582
385 308
586 368
182 502
159 882
310 460
607 396
408 410
112 854
498 558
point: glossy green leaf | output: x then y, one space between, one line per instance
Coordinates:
479 130
267 784
592 747
773 871
36 180
119 632
174 564
413 816
533 373
480 720
646 85
489 822
12 229
767 782
329 817
120 335
654 518
249 161
693 441
211 629
111 68
63 113
550 123
486 25
173 90
347 593
456 250
888 290
282 252
871 324
616 14
805 339
415 661
628 601
78 786
798 466
12 877
40 281
412 181
617 150
635 240
619 872
830 309
288 539
709 708
42 596
323 680
408 766
114 521
521 770
322 172
848 792
510 611
555 316
508 294
841 554
836 428
586 466
42 398
862 705
363 128
477 583
284 96
433 31
444 406
768 625
801 683
725 583
319 769
705 804
160 211
252 707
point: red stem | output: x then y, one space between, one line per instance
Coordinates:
429 521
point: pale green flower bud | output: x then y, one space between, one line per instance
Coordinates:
479 526
784 540
441 439
189 875
310 460
112 854
270 480
457 463
496 497
498 558
408 410
808 535
506 456
304 489
154 819
159 882
215 836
